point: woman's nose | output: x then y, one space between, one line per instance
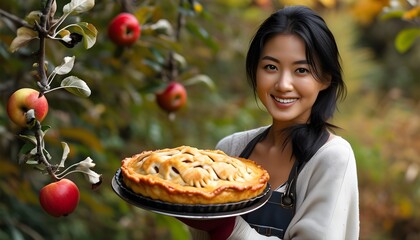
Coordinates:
284 82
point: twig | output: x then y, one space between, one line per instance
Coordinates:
39 149
172 71
126 6
16 20
42 30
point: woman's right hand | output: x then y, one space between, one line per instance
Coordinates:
217 228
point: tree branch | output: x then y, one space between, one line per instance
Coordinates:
39 149
171 68
42 30
16 20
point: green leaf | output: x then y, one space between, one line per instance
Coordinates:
201 78
201 33
66 67
24 36
28 138
76 86
47 154
66 151
78 6
27 153
87 30
406 38
144 13
391 14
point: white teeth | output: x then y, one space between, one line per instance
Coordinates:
285 100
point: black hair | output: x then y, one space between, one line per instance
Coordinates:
324 59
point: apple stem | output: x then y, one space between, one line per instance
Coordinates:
39 149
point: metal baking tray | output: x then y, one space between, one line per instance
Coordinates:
192 211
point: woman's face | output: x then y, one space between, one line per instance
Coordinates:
285 84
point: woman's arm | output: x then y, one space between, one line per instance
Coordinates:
327 196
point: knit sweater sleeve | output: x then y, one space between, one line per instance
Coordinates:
327 196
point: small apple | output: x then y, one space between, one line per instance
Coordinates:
59 198
124 29
23 100
173 97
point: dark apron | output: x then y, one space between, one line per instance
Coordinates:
274 217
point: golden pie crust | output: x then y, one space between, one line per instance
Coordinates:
188 175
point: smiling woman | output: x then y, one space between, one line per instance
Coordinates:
285 83
294 69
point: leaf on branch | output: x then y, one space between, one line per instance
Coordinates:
89 33
201 78
405 39
65 35
93 177
78 6
46 154
76 86
202 34
27 154
53 9
66 67
66 151
28 138
391 14
33 17
24 36
87 30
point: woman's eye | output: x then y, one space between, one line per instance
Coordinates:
302 70
270 67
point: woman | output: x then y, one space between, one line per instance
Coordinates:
293 66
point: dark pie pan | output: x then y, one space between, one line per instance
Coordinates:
199 211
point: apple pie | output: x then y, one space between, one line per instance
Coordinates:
187 175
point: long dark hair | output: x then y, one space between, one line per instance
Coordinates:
324 59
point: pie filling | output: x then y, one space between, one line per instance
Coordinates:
188 175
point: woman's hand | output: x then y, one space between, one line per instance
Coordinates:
217 228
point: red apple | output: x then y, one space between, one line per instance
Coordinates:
173 97
59 198
21 101
124 29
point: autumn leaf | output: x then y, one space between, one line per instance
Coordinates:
24 36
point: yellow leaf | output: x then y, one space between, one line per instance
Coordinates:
406 208
83 136
328 3
412 13
64 33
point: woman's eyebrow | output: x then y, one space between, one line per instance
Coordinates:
270 58
278 61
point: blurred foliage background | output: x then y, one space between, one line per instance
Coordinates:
380 116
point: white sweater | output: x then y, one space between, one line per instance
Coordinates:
327 204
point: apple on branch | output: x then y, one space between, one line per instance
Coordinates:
124 29
21 101
173 97
59 198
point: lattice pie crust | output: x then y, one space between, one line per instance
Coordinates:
189 175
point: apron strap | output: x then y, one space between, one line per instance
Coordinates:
284 203
250 146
